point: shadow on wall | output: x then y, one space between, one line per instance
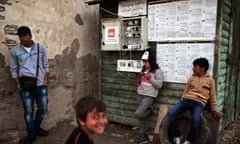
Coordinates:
77 76
10 103
2 60
81 73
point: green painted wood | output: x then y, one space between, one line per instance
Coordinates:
121 87
120 108
226 18
225 25
122 120
227 9
225 33
224 49
123 99
236 44
227 92
167 100
118 89
225 41
175 86
222 64
223 57
227 3
129 120
121 94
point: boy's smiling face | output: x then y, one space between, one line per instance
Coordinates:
95 123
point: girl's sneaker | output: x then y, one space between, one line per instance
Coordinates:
143 139
186 142
177 140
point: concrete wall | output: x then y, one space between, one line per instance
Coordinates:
69 30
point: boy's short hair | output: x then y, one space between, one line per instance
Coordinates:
86 105
202 62
23 30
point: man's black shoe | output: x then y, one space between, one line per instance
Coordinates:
41 132
28 139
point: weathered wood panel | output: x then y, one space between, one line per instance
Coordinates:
225 33
118 90
225 25
228 3
236 45
224 49
227 76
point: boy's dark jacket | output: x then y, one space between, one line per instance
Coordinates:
78 137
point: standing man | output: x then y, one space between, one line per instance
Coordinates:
24 63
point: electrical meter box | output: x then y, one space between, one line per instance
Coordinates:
111 39
124 34
134 33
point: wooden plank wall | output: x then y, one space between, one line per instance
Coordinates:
224 35
227 64
236 46
118 90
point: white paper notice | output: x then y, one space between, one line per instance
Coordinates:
132 8
182 21
129 65
111 35
176 60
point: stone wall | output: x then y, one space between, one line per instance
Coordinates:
70 32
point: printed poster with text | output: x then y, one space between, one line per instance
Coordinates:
176 60
182 21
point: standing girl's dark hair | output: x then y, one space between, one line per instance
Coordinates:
152 61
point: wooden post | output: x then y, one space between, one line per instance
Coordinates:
163 109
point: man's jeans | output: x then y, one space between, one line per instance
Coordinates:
40 94
195 109
144 109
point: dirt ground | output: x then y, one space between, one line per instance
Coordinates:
121 134
114 134
231 134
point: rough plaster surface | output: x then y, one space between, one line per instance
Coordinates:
69 30
54 23
10 104
76 78
59 106
72 78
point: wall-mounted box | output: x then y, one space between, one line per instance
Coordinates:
110 34
134 33
124 34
